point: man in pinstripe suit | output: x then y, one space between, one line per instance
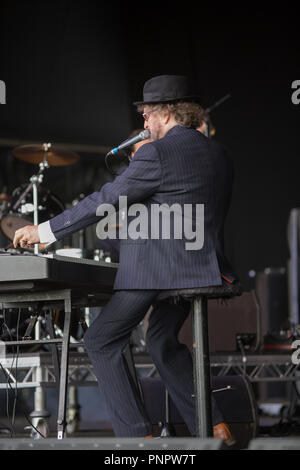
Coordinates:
179 166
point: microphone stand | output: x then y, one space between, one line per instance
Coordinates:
210 109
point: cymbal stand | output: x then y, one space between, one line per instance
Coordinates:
35 181
40 414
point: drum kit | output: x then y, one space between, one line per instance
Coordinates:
32 203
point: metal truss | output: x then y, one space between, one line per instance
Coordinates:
257 367
31 370
36 370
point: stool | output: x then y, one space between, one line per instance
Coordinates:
202 384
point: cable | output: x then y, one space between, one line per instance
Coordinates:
16 368
7 397
14 358
258 320
32 425
243 352
6 375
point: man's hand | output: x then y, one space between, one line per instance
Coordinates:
27 236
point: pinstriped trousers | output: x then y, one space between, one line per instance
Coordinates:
108 336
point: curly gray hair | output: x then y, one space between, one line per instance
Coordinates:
186 113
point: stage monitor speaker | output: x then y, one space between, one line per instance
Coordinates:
234 396
275 443
111 443
272 289
226 319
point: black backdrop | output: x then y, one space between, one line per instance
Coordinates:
72 70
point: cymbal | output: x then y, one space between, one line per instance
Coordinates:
55 156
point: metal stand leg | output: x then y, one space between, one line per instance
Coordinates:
61 420
55 358
33 320
168 428
40 414
202 368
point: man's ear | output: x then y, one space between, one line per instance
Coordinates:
166 116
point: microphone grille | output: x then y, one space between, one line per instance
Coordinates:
145 134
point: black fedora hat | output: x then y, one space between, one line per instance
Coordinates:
167 88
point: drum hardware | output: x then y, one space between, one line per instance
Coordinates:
49 206
31 200
35 181
30 327
40 415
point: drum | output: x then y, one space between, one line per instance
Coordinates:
15 218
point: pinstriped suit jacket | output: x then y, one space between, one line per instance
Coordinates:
184 167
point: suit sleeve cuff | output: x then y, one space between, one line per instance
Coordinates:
45 233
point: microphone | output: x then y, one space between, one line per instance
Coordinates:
137 138
217 103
